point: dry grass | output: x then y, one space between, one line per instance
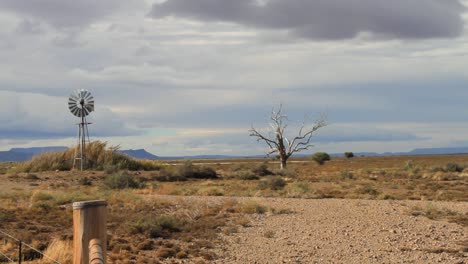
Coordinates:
99 156
434 213
60 250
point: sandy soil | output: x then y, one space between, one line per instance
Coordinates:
347 231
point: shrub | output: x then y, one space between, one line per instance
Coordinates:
85 181
409 165
166 175
347 175
299 188
349 155
160 226
252 207
204 173
246 175
262 169
185 171
273 183
121 180
321 157
367 190
454 167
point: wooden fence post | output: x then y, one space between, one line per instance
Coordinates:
89 222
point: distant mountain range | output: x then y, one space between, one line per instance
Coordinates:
23 154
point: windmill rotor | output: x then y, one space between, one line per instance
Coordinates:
81 103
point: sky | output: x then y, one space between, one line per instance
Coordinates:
190 77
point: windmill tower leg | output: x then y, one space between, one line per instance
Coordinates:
83 139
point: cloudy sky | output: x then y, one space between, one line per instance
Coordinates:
186 77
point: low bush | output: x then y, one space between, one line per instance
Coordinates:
272 183
349 155
347 175
454 167
160 226
186 171
122 180
262 170
288 172
321 157
252 207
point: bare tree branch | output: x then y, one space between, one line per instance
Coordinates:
277 140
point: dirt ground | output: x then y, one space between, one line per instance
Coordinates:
347 231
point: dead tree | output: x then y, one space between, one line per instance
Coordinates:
277 140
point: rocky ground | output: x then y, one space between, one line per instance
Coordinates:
347 231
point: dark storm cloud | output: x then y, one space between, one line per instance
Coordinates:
329 19
64 13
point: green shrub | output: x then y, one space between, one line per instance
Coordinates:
272 183
246 175
122 180
347 175
166 175
185 171
85 181
454 167
160 226
204 172
262 170
367 190
321 157
349 155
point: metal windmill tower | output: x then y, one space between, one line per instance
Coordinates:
81 104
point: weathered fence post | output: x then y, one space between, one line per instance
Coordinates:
89 222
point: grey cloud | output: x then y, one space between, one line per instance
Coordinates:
331 19
29 27
65 13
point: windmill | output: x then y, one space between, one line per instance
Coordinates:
81 104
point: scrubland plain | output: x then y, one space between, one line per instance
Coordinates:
168 213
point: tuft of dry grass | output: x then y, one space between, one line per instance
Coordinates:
60 250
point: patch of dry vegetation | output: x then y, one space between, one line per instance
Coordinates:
434 213
140 227
99 157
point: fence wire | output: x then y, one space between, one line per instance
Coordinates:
27 245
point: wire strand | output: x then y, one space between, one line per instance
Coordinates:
5 256
29 246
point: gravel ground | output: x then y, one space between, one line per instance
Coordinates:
346 231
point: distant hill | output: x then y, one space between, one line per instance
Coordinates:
139 154
37 150
23 154
428 151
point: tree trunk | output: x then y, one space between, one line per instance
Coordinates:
283 162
